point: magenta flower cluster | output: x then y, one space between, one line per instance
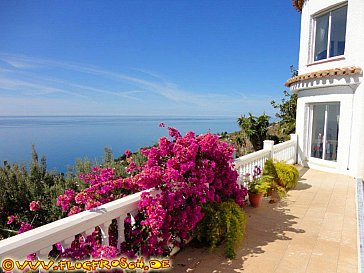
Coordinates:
185 171
34 206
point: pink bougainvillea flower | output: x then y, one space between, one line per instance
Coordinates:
24 227
127 153
186 172
31 257
74 210
173 132
34 206
11 219
107 252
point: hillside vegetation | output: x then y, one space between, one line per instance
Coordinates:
256 129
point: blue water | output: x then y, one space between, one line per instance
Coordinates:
63 139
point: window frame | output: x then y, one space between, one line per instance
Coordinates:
313 35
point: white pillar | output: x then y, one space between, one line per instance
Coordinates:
268 145
295 138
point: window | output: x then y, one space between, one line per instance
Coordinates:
330 31
325 130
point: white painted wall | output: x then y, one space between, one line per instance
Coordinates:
354 35
348 90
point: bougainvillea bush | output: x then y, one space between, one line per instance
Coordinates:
186 173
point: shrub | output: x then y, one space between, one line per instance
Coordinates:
284 176
223 222
288 175
187 171
269 169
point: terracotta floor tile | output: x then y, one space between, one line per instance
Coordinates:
320 264
343 267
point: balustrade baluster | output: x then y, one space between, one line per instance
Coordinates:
43 253
87 233
67 242
105 233
121 235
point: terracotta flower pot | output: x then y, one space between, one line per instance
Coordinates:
255 199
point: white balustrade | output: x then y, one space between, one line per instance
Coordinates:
41 239
105 233
286 151
246 164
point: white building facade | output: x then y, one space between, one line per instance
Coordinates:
330 88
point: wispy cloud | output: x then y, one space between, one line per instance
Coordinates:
161 87
32 88
123 94
39 77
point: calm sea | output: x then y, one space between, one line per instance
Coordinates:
63 139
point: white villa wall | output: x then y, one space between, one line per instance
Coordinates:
348 90
354 36
357 135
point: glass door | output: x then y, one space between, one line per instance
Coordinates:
325 130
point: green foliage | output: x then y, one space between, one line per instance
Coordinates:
21 184
269 169
283 176
139 158
288 175
287 113
223 222
260 185
271 175
255 128
19 187
108 156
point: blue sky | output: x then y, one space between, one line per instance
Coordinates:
145 57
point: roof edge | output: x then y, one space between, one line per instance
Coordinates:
298 4
345 71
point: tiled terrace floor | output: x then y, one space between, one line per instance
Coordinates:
314 229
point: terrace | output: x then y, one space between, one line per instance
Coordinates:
313 228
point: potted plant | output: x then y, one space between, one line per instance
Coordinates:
257 187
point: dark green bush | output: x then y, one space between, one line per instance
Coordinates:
223 222
21 184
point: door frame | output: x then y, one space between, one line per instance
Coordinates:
314 160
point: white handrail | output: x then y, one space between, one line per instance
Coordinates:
283 145
42 238
241 161
286 151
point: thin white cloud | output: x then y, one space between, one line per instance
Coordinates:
32 88
164 88
123 94
34 78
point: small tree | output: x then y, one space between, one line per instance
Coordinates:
255 128
287 113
